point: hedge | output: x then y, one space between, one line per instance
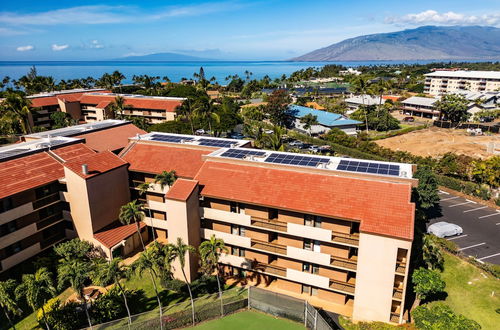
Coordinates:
468 188
399 132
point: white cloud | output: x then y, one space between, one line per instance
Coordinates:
96 45
448 18
25 48
57 48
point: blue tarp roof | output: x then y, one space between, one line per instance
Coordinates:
324 118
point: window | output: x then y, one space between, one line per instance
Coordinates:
306 289
314 291
5 204
8 228
315 269
242 231
312 221
306 267
273 213
13 249
236 251
233 206
238 230
308 244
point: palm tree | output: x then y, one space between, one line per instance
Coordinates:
148 261
180 250
274 141
209 253
76 273
309 121
166 178
132 213
37 289
118 106
18 108
117 78
105 273
186 110
431 254
205 110
143 188
8 300
360 85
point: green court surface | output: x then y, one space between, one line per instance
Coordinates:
250 320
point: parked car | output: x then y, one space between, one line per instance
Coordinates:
409 119
200 131
268 131
236 136
305 146
486 119
324 148
444 229
295 143
313 148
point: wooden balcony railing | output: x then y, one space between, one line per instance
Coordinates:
46 200
394 317
342 262
342 286
269 224
269 269
270 247
352 239
397 293
400 267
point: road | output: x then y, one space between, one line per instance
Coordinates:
481 225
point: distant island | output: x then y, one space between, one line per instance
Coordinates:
163 57
423 43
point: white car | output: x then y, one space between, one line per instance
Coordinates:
444 229
200 131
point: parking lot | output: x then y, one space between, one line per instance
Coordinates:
480 224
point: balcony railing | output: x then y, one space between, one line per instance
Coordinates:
342 286
352 239
342 262
270 247
270 269
394 317
397 293
46 200
49 220
400 267
269 224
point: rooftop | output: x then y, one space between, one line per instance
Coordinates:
465 74
112 138
365 99
67 91
114 234
78 129
97 163
22 149
193 140
182 189
418 100
324 118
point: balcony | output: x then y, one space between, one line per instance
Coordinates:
42 223
269 224
397 293
46 200
153 187
400 267
308 256
342 286
352 239
310 232
394 317
225 216
308 278
269 247
156 223
350 263
230 239
270 269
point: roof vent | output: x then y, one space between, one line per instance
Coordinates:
85 169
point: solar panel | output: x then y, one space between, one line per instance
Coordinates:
11 153
170 138
215 143
299 160
67 132
365 167
240 154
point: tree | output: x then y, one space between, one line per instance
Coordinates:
118 106
441 316
426 192
117 78
360 86
274 141
132 213
75 272
277 107
37 289
487 171
427 283
453 107
166 178
309 121
61 119
17 108
75 249
106 272
8 300
204 110
180 250
431 253
210 252
186 111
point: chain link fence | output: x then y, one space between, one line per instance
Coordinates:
284 306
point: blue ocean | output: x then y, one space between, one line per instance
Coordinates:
175 71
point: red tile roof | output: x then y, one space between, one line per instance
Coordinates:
112 138
138 103
69 97
43 101
28 172
182 189
103 104
73 151
110 237
382 207
156 158
97 163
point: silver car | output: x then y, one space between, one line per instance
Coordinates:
444 229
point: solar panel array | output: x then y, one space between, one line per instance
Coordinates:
4 155
241 153
66 132
170 138
299 160
215 143
365 167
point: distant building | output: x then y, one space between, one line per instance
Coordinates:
350 71
326 120
315 105
354 102
443 82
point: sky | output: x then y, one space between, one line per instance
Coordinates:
230 30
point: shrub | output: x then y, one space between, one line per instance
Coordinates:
449 246
174 285
61 317
110 306
440 316
427 283
497 201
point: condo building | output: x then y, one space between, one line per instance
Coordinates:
335 231
444 82
94 105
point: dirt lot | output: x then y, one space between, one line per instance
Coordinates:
437 141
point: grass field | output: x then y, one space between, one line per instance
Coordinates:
249 320
470 292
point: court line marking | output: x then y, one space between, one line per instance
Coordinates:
493 255
477 208
449 239
468 247
447 199
460 204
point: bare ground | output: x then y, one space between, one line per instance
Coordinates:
438 141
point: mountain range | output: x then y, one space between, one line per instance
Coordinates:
422 43
175 57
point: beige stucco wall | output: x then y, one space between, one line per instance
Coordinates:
72 108
78 199
375 276
184 222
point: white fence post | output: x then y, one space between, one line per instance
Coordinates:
248 297
315 319
305 313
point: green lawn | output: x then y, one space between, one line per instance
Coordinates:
249 320
470 292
